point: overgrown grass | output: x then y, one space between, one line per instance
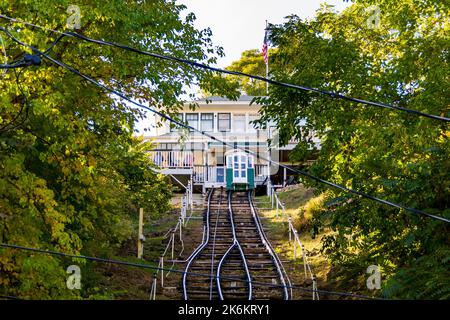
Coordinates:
126 282
300 205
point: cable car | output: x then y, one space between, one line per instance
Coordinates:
240 172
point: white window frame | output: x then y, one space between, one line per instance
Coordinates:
244 122
230 122
187 122
211 120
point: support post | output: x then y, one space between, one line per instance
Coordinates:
304 262
140 244
315 293
183 208
162 272
154 291
173 243
271 195
277 206
290 229
153 288
295 248
191 190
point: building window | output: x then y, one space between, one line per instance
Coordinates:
207 122
224 122
251 126
192 120
239 122
220 158
250 162
174 127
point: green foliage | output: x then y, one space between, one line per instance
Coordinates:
389 154
251 62
311 209
305 215
433 282
72 177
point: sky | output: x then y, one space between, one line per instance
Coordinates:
238 25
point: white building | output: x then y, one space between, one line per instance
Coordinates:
181 153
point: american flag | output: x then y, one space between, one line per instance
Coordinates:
265 49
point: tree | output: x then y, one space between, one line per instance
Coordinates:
251 62
72 175
386 153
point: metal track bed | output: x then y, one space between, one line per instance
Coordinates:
234 246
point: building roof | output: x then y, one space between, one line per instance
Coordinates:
242 98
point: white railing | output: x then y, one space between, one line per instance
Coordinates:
202 173
274 200
186 204
260 172
172 159
198 173
293 235
170 244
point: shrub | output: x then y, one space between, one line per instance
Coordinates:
303 220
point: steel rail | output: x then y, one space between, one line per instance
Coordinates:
241 252
214 245
199 248
271 251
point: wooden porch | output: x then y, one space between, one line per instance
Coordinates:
184 163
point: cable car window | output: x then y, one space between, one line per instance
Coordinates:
243 159
250 162
242 165
236 165
236 174
236 158
243 174
230 162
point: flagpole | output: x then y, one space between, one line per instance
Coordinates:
267 65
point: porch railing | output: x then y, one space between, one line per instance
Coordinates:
202 173
172 159
260 172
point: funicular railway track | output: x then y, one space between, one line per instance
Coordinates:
235 259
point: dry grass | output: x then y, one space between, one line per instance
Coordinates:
130 283
300 205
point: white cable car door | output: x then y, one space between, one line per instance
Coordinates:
239 169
